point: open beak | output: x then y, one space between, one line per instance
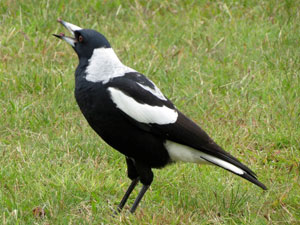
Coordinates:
72 28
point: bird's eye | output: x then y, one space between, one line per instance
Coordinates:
80 38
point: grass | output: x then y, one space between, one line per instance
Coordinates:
231 66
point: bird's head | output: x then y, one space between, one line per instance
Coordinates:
84 41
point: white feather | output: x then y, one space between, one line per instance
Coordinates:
154 91
105 65
178 152
142 113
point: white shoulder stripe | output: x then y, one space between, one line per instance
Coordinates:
142 113
178 152
154 91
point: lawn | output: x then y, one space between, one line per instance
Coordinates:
231 66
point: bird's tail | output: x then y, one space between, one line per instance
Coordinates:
235 167
212 154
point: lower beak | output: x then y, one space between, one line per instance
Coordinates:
69 40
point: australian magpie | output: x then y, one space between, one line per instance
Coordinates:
131 114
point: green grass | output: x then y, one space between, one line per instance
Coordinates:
231 66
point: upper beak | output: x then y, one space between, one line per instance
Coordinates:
72 28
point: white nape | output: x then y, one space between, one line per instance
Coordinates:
142 113
105 65
154 91
179 152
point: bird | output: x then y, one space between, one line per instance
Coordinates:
130 113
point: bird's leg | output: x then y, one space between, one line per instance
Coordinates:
134 176
127 194
146 178
139 198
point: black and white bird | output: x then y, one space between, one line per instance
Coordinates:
131 114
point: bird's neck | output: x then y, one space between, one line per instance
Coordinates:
80 70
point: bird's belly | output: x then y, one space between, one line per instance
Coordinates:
133 142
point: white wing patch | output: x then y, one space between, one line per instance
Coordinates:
104 65
154 91
142 113
178 152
